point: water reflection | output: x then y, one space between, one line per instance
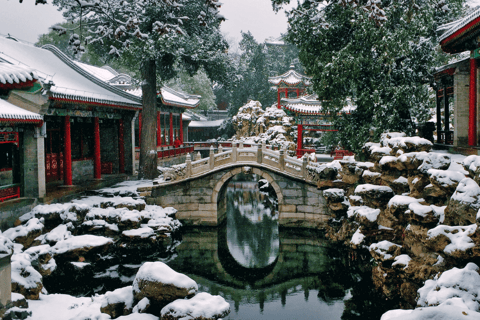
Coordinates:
264 272
252 226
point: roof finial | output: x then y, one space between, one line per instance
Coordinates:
292 66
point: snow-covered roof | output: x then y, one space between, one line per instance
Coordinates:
205 124
290 78
275 41
12 113
172 97
306 104
310 104
177 98
10 74
107 74
458 28
70 82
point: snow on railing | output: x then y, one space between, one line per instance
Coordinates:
277 161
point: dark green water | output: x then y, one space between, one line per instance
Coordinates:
263 271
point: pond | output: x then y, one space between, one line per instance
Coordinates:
263 271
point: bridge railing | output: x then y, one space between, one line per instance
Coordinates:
238 154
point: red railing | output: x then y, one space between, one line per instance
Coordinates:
168 152
301 152
9 191
339 154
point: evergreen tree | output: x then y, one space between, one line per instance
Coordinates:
199 84
154 36
379 53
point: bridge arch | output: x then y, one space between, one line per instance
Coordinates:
229 174
197 198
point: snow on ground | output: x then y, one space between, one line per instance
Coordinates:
66 307
126 188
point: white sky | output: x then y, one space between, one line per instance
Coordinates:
27 21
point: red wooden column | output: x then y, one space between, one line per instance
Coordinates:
286 92
139 128
181 129
472 118
97 164
278 93
121 146
171 129
298 92
299 138
67 154
159 130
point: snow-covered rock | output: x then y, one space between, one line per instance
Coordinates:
80 246
384 250
464 204
25 234
118 302
201 306
454 283
161 284
458 237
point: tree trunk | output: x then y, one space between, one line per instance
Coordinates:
148 139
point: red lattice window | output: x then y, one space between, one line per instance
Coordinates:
9 137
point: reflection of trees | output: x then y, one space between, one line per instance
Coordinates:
252 234
349 271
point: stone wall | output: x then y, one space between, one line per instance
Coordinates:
6 177
82 169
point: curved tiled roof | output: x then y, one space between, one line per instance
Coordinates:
68 78
12 113
12 74
290 78
171 97
176 98
309 105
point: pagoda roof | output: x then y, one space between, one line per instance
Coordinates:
69 82
291 78
12 114
310 104
456 34
306 104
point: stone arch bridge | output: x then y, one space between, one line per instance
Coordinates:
197 188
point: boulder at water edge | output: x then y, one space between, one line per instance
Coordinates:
161 285
203 306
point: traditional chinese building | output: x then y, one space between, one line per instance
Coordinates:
19 129
457 84
291 84
88 123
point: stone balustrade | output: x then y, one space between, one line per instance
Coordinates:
259 155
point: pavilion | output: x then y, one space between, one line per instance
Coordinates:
87 123
457 82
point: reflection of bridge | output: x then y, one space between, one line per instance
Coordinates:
197 187
301 261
